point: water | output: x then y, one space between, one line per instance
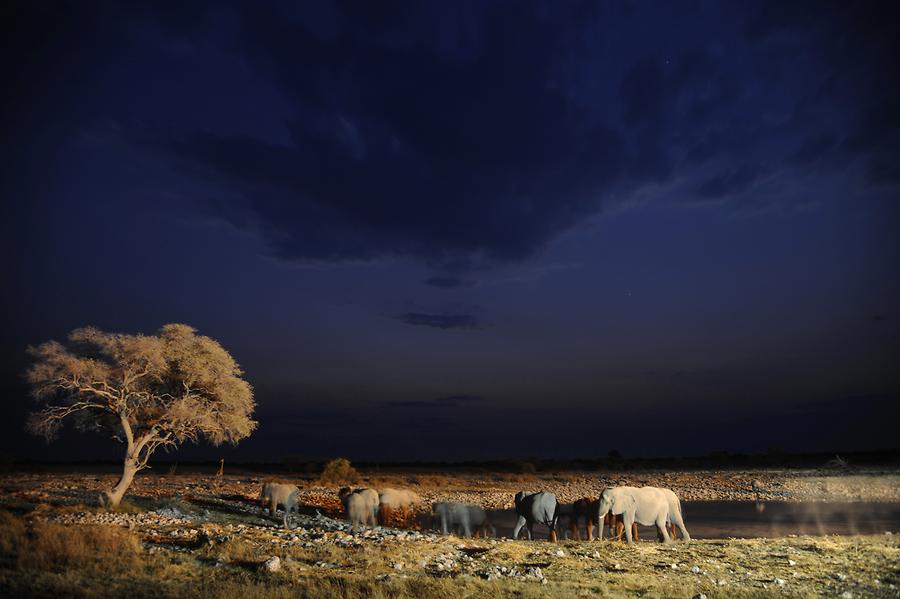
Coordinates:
749 519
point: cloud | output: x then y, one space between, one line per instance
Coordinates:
449 401
733 181
448 282
440 321
466 136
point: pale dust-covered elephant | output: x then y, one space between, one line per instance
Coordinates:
275 495
462 518
531 508
396 503
360 505
647 506
676 518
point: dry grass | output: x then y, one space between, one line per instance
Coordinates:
55 547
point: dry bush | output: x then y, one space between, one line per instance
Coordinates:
339 470
57 547
13 534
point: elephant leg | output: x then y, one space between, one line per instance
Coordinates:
619 526
553 538
627 524
685 536
520 522
634 531
574 531
663 531
672 531
530 529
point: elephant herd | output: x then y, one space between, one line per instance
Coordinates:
622 508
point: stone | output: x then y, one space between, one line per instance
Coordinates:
696 569
273 564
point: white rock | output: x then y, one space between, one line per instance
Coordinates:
560 553
700 596
696 569
674 566
273 564
792 562
779 581
846 595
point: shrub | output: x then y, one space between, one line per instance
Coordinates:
12 534
339 470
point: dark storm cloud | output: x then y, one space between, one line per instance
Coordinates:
448 282
469 134
418 133
440 402
733 181
440 321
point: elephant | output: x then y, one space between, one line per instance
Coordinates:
675 516
395 500
586 508
540 507
275 495
647 506
465 518
360 505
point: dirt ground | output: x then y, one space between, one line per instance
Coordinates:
191 534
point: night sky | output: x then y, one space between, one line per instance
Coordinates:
470 230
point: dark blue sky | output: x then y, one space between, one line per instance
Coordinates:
468 230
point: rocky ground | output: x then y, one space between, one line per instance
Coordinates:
493 491
191 527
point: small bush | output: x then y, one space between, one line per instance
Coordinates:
527 467
339 470
12 534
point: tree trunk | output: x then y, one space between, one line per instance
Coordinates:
112 497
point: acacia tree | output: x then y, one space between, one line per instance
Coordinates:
146 391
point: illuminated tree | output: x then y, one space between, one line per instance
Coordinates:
145 391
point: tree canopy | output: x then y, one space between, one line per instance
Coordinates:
147 391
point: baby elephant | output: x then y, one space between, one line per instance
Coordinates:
540 507
464 518
360 505
277 495
396 500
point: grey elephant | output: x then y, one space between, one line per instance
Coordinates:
464 518
360 505
531 508
275 495
647 506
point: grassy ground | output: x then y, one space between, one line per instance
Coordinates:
41 558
